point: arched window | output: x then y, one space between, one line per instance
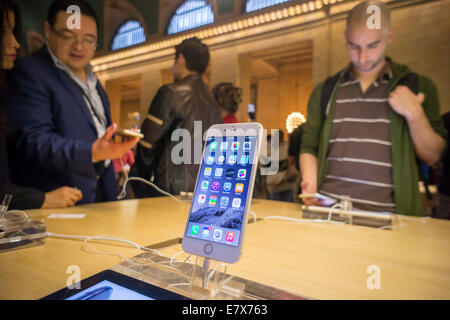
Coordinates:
191 14
253 5
130 33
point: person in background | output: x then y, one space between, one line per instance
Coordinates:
295 143
280 185
228 97
180 105
443 197
23 198
62 133
363 136
122 167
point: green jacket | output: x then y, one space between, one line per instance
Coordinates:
405 173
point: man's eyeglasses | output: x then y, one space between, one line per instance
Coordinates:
71 38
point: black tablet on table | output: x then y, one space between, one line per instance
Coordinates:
111 285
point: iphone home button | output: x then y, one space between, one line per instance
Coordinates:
208 248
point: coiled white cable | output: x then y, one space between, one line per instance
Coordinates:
12 219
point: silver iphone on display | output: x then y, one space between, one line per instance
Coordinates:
224 189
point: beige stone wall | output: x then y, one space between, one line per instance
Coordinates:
294 88
280 96
421 41
154 76
151 81
268 112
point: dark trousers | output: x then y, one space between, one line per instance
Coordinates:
285 196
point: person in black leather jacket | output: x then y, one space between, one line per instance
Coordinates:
177 106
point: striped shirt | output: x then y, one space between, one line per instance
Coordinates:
360 151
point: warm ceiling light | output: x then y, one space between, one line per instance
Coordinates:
294 120
291 11
279 15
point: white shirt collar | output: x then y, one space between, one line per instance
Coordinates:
90 75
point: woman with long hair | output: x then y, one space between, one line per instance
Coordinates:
8 48
22 197
228 97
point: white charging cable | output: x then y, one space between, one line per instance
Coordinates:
216 269
255 218
301 220
102 238
123 193
335 206
401 218
177 254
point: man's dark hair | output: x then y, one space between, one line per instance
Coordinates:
195 53
5 7
62 5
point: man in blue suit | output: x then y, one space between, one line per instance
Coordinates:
62 130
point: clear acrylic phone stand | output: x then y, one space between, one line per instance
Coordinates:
345 213
205 279
197 279
19 232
